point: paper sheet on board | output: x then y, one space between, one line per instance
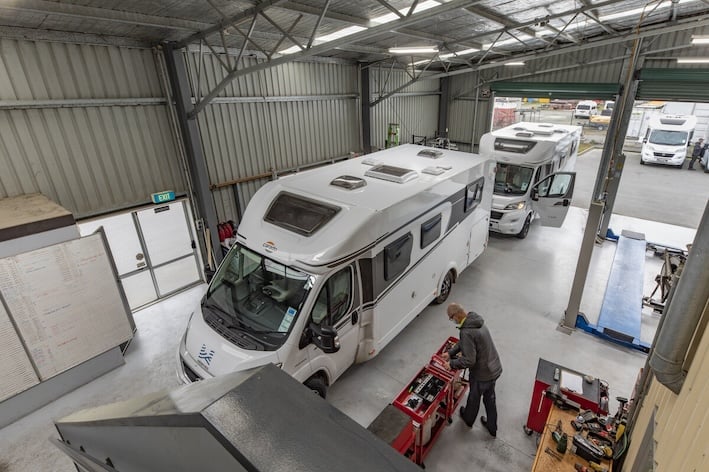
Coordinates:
571 382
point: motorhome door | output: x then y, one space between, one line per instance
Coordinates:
552 198
337 305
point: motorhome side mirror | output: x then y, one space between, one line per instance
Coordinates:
535 194
326 338
644 140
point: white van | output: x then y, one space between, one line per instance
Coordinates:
526 153
330 264
585 109
667 138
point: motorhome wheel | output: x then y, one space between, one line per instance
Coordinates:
642 163
445 289
317 385
525 227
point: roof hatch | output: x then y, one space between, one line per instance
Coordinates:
432 153
391 173
672 120
348 182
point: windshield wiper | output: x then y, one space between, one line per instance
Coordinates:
229 317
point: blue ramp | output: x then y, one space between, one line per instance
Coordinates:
621 311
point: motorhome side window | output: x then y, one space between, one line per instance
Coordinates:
397 256
473 194
334 299
299 215
430 231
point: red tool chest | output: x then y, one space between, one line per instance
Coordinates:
589 398
418 414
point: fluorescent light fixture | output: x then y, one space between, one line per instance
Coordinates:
522 37
514 63
464 52
700 39
328 37
414 50
393 16
639 11
693 60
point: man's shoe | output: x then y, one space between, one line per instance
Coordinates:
483 420
462 412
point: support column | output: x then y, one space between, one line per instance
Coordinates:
365 114
604 192
443 103
197 166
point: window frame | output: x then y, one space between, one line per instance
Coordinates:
402 243
428 227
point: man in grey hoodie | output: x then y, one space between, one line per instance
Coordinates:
475 351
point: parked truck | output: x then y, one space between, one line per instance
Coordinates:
330 264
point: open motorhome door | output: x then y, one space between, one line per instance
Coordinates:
552 197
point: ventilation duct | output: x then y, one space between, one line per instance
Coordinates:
683 313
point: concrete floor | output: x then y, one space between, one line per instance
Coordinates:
521 288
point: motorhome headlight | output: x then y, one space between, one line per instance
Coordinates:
515 206
680 150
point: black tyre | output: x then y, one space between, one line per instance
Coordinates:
445 290
317 385
642 163
525 227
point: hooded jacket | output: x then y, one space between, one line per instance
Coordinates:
477 351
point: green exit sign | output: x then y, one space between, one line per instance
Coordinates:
162 197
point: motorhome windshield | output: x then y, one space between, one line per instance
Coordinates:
256 296
668 138
511 179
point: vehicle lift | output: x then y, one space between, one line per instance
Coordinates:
412 423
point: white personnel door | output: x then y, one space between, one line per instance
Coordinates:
152 250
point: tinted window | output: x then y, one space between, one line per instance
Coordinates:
299 214
397 256
474 194
430 231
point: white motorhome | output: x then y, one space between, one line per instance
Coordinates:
586 109
667 138
330 264
526 154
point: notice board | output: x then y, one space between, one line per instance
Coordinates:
16 369
65 303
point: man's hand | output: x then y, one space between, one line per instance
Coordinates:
448 366
445 356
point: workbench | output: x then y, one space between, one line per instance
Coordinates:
545 462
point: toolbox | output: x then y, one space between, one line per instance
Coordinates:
414 420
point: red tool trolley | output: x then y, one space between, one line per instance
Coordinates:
428 403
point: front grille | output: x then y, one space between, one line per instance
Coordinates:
190 373
663 154
496 215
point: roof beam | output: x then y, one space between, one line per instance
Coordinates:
45 7
330 45
227 22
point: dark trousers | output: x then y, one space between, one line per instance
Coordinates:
691 161
486 390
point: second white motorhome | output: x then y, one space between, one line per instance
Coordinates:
667 138
585 109
526 154
330 264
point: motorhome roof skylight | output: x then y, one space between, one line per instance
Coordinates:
514 145
391 173
524 134
432 153
349 182
672 121
298 214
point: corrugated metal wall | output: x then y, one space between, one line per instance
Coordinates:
681 435
85 125
462 110
279 118
416 114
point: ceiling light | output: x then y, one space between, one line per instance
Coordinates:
514 63
693 60
639 11
414 50
405 11
700 39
